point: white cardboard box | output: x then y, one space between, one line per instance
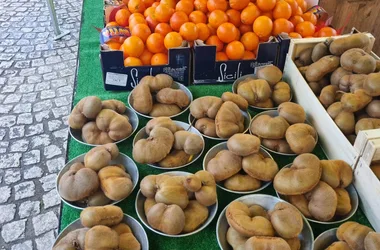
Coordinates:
363 137
371 151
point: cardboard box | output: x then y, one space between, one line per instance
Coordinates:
368 187
119 78
208 71
363 137
371 151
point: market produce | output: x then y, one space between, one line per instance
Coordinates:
96 181
252 227
224 165
301 138
242 183
350 69
189 142
320 50
72 239
165 122
170 208
316 187
206 106
155 96
372 241
292 112
354 234
87 108
229 120
243 144
281 93
260 167
254 90
235 98
376 169
268 127
115 105
278 145
206 126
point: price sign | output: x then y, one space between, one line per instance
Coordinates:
116 79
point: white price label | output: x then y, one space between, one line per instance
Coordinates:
116 79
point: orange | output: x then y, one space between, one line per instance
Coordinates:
282 25
186 6
198 16
177 19
125 2
249 55
132 61
113 45
264 39
294 35
141 30
266 5
216 18
268 14
111 24
308 16
233 17
133 46
282 10
221 56
298 12
172 40
122 17
203 31
159 59
244 28
327 32
263 26
163 13
250 41
217 5
146 56
201 5
296 20
149 11
227 32
170 3
249 14
294 5
235 50
155 43
152 23
189 31
211 29
163 29
214 40
155 4
135 15
305 29
302 4
239 4
148 3
136 20
237 38
122 48
136 6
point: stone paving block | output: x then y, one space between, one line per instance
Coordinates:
13 231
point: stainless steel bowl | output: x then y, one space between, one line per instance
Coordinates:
247 121
325 239
268 202
139 206
222 146
128 163
235 86
175 85
274 113
354 205
133 119
137 229
143 135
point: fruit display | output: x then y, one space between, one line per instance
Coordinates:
265 90
354 236
316 187
217 117
178 204
235 27
100 122
346 79
254 227
285 130
155 96
103 228
166 144
239 165
95 181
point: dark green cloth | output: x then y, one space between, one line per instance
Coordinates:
89 82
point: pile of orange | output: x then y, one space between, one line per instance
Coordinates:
235 27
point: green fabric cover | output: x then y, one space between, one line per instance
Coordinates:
89 82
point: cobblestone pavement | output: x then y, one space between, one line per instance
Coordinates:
36 86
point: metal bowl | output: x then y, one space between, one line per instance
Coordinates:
133 119
325 239
137 229
236 83
143 135
139 206
128 163
247 121
175 85
222 146
354 205
274 113
268 202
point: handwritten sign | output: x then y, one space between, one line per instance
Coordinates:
116 79
223 75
